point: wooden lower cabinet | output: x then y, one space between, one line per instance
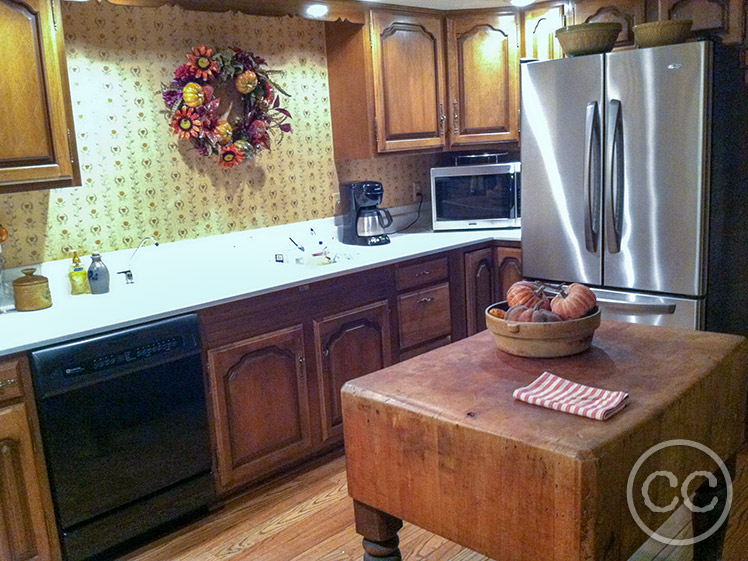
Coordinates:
348 345
424 315
23 533
260 405
480 287
509 266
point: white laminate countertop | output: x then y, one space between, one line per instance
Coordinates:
185 276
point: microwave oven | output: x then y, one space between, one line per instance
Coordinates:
476 196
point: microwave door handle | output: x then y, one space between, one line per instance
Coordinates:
592 177
614 204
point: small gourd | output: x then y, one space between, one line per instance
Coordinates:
574 301
224 132
246 82
536 313
527 293
193 95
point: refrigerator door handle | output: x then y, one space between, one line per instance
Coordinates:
635 308
592 178
614 204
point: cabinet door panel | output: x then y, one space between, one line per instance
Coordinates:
722 18
23 535
483 78
540 27
260 404
480 286
626 12
36 115
349 345
408 80
509 265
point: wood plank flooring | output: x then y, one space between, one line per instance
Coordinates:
309 517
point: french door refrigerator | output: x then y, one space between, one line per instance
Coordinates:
616 176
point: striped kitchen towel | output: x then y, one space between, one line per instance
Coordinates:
557 393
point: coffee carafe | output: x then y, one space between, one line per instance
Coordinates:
364 222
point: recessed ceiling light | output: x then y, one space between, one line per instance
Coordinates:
521 3
316 10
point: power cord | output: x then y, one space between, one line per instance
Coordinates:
418 215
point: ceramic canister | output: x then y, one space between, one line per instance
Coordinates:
31 292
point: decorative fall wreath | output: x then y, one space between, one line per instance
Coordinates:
232 133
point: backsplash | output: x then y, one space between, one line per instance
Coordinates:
397 174
138 180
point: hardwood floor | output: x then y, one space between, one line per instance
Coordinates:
309 517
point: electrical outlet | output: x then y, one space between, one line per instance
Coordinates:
418 193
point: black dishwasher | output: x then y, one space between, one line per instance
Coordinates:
125 432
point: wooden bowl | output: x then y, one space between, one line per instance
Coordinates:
658 33
588 38
543 340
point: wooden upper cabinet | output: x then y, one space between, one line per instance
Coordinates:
539 27
718 18
626 12
260 405
349 345
38 143
409 81
483 61
23 533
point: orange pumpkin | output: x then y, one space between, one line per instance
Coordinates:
534 313
193 95
246 82
527 293
574 301
224 132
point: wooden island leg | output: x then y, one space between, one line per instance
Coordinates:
710 549
379 530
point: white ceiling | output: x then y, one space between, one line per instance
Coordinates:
445 4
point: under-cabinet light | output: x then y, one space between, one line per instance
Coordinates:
316 10
521 3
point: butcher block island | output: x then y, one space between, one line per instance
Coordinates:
440 442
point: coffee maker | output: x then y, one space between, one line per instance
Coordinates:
363 221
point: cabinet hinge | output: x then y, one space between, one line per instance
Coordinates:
54 15
376 131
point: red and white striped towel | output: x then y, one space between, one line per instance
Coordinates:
557 393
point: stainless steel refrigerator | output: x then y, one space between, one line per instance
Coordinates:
616 172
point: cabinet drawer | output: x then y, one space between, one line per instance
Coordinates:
410 276
424 315
10 378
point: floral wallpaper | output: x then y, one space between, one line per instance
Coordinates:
139 180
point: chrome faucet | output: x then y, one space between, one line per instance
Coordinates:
128 272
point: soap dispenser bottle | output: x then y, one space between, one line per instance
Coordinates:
78 277
98 275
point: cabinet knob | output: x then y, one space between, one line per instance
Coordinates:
423 273
425 300
7 383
